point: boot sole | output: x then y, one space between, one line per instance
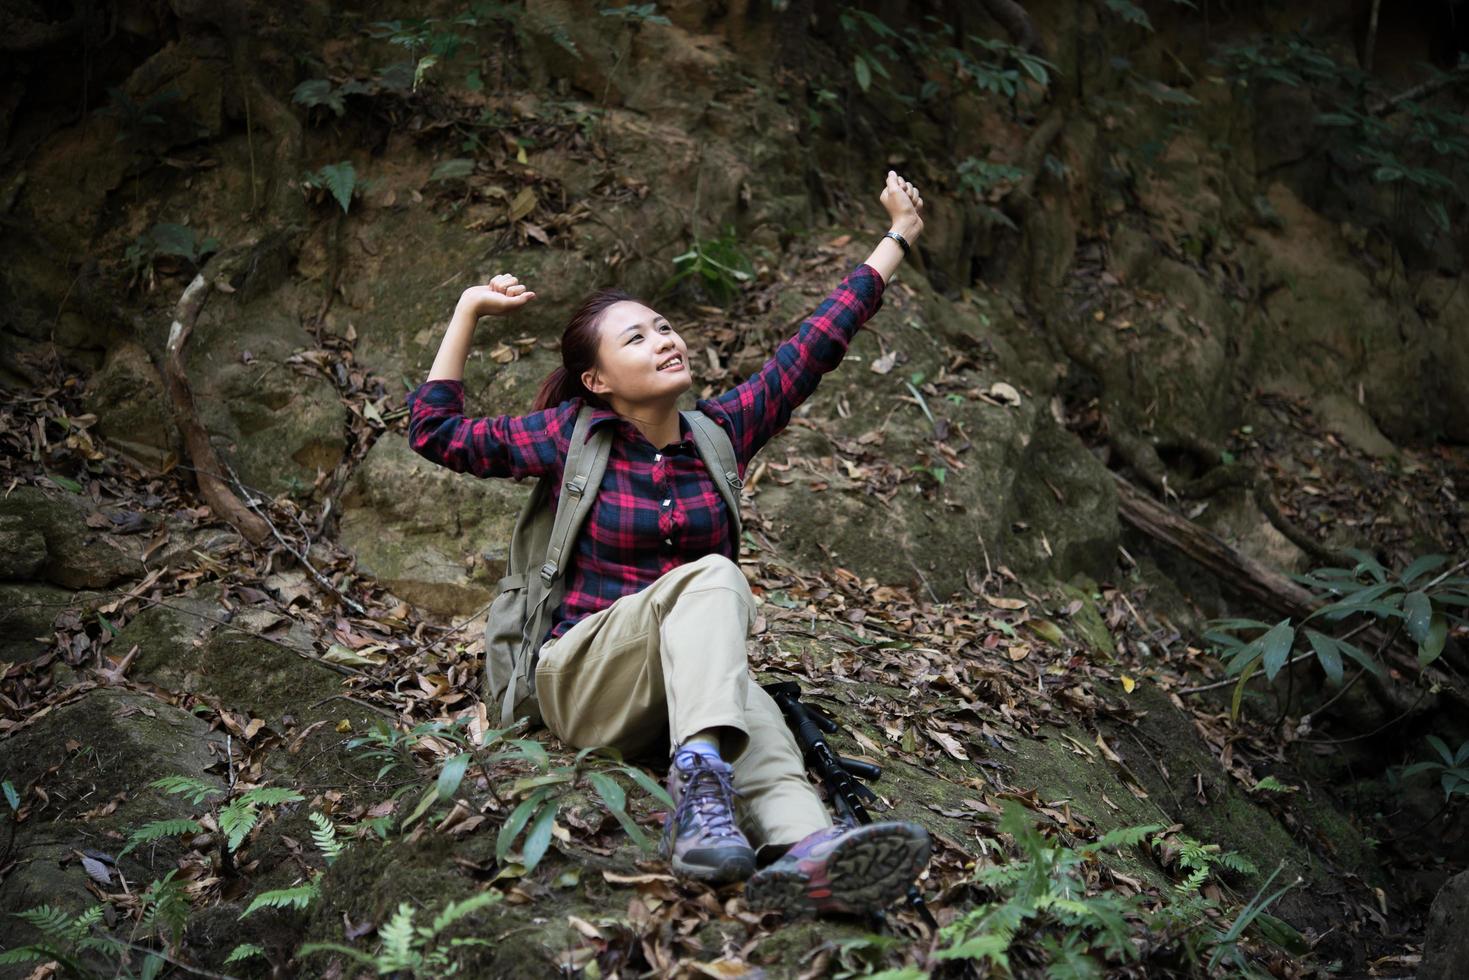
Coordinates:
867 871
736 867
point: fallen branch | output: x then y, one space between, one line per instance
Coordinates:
1258 583
1387 106
300 556
207 471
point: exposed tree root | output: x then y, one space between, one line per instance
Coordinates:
207 471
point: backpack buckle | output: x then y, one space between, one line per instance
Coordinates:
577 486
734 480
548 572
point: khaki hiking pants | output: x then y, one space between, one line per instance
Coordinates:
671 660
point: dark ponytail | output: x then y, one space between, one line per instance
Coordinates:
579 344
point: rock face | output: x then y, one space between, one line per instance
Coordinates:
49 535
434 537
1446 949
273 415
987 477
128 398
107 747
27 612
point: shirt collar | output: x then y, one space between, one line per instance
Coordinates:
606 415
600 415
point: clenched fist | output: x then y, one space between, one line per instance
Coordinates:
499 296
904 206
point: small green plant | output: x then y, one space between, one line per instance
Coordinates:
535 815
137 119
1410 601
636 14
419 951
236 818
69 940
1042 899
339 180
428 40
80 945
1134 14
324 836
321 93
166 909
1226 943
1043 896
1452 768
719 263
165 240
1400 141
394 747
988 183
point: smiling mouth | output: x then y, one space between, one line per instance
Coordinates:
673 363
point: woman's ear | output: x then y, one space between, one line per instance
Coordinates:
592 381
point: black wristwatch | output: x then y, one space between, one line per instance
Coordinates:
901 241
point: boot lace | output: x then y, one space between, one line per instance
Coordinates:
709 792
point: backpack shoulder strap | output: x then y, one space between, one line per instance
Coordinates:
586 461
718 453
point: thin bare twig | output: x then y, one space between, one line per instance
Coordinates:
321 580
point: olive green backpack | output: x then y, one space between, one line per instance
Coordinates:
540 546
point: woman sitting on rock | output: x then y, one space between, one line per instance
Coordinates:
650 636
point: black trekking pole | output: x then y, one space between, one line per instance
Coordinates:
811 726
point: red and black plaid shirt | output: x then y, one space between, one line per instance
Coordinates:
656 508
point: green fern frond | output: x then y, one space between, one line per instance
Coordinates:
455 911
236 821
269 796
397 936
324 835
25 954
1124 837
157 830
197 790
243 952
47 921
86 920
299 898
1238 863
338 179
167 904
1193 882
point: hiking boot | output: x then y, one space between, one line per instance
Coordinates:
700 838
852 869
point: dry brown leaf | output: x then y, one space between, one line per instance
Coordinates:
614 878
948 743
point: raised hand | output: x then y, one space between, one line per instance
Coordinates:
499 296
904 206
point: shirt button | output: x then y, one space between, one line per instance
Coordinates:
668 501
657 457
668 541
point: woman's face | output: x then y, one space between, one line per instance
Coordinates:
640 358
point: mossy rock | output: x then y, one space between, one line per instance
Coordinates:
436 538
1199 794
132 412
278 424
189 649
22 547
27 612
76 556
106 747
